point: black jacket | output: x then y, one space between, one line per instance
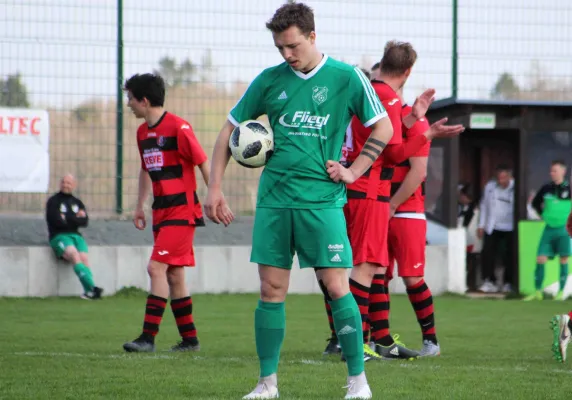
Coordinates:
61 210
467 213
561 192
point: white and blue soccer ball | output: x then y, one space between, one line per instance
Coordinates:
252 143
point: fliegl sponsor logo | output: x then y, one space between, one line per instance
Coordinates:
304 119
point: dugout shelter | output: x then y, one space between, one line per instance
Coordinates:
524 135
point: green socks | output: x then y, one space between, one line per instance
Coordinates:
270 328
563 275
85 277
539 276
347 321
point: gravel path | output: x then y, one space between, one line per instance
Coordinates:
31 231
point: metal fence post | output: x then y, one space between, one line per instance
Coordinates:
454 59
119 113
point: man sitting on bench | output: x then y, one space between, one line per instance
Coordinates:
65 214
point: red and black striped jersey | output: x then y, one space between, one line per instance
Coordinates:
415 205
376 182
170 151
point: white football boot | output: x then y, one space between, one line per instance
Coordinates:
267 388
358 387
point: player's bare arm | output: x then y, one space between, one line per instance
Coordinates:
401 152
205 169
440 130
381 134
216 208
143 192
420 107
413 179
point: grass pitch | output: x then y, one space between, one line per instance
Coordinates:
67 348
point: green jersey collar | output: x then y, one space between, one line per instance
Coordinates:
313 72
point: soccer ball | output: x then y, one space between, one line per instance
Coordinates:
252 143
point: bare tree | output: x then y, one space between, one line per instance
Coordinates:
13 92
505 88
176 75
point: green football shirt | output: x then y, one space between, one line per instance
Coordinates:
309 114
553 202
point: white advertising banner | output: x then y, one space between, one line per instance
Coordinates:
24 150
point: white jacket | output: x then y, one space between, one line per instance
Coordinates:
497 203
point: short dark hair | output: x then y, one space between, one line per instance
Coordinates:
559 162
366 73
376 66
292 14
147 86
398 57
503 168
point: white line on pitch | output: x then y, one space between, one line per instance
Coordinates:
153 357
410 365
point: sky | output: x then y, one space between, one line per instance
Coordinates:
66 49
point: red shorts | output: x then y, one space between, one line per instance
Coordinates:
367 221
406 242
174 246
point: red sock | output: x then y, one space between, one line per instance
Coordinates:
570 314
153 314
422 302
379 311
327 300
183 312
361 295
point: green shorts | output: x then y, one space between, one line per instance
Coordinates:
319 237
554 241
60 242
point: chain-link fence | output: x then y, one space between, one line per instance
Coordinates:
62 56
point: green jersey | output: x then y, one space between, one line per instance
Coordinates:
552 202
309 114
